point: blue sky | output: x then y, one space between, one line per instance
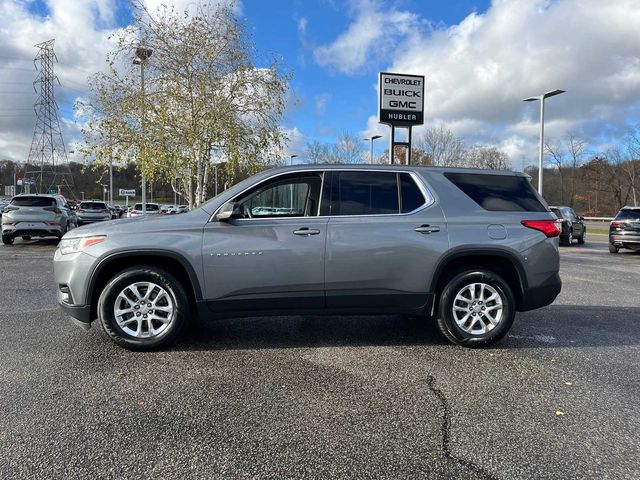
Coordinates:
480 59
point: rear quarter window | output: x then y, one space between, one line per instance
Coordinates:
498 193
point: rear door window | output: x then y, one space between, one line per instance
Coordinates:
507 193
364 193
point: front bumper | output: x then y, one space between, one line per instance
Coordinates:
541 295
80 314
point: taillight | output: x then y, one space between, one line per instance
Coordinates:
80 210
54 210
548 227
616 223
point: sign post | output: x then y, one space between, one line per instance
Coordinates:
400 104
127 193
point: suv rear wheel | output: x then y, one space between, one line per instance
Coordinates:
7 239
142 308
613 249
476 308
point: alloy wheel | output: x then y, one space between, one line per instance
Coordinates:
478 308
144 310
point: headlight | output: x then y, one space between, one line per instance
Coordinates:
73 245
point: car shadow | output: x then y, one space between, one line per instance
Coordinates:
557 326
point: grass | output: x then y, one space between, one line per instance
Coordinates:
602 230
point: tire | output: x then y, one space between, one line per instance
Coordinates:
613 249
26 237
473 337
121 331
7 239
568 240
582 238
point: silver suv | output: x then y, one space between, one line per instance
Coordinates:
35 215
467 248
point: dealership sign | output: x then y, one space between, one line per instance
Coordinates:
127 193
401 101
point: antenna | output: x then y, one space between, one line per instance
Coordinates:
47 151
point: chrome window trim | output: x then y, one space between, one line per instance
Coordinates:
426 193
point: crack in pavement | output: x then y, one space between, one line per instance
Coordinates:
446 434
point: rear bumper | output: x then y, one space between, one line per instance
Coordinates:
541 295
17 231
625 240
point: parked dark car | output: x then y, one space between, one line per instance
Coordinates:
573 226
624 230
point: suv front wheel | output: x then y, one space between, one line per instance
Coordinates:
143 307
476 308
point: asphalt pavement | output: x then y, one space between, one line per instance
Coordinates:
326 397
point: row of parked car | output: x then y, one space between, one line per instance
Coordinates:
35 215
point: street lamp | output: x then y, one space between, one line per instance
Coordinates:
142 55
541 98
291 159
375 137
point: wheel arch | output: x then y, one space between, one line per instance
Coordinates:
500 261
113 263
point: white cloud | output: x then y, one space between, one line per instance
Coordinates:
321 102
478 71
373 33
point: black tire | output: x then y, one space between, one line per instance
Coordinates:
568 240
26 237
446 321
613 249
143 273
7 239
582 238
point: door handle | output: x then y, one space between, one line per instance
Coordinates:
304 231
427 229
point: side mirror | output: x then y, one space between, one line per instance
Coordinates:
230 211
580 218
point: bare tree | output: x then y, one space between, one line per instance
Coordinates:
318 152
441 147
348 148
487 157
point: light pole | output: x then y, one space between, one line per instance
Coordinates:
291 159
142 55
375 137
542 98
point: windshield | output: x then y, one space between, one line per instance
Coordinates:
34 202
628 214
